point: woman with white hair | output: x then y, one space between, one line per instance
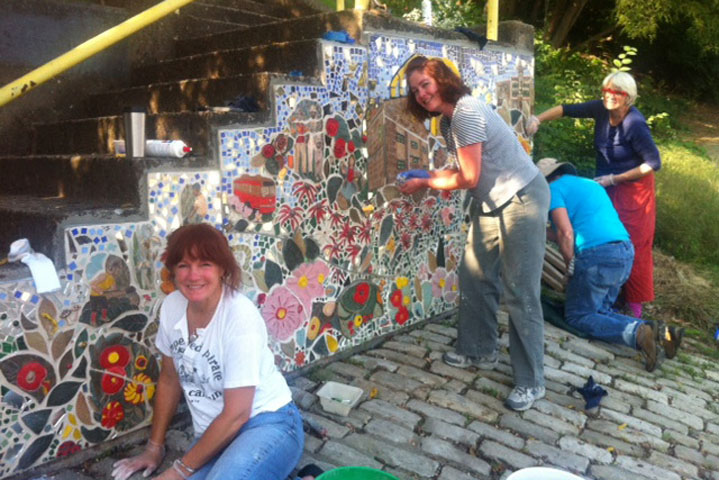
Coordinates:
625 163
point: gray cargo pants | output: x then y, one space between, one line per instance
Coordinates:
505 254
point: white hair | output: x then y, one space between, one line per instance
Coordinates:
624 82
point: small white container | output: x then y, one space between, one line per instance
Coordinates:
542 473
157 148
339 398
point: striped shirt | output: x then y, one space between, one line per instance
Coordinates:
506 167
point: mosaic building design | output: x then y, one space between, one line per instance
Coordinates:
332 254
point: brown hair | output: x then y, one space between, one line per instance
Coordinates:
204 242
451 87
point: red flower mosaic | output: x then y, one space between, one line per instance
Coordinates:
141 362
361 293
268 151
114 356
112 414
396 298
340 148
332 127
31 376
68 448
113 380
402 315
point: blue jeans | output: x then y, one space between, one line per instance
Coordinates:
599 273
267 447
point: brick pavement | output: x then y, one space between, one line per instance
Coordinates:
431 421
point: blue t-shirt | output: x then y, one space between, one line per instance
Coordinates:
593 217
619 148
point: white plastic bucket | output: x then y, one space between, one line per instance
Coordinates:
542 473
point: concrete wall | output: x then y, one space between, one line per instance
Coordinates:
330 262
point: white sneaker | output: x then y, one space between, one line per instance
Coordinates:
522 398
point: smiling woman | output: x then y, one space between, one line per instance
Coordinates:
505 244
626 159
214 351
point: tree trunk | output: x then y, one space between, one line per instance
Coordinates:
564 15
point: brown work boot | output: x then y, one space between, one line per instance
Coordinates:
648 346
671 340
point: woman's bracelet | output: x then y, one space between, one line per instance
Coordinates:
159 446
611 179
176 466
180 466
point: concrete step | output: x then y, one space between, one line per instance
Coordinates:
241 14
43 194
273 8
277 57
101 178
190 26
42 220
303 28
96 135
181 96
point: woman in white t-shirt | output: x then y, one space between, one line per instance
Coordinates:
214 350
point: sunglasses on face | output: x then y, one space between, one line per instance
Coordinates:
618 93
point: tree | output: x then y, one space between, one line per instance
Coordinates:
645 18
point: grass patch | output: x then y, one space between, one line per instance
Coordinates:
687 202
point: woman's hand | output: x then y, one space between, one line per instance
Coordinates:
413 185
532 125
149 460
605 180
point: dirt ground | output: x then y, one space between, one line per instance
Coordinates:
703 123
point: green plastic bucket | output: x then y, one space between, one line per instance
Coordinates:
356 473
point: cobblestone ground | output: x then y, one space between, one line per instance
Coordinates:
431 421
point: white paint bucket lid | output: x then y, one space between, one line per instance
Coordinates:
542 473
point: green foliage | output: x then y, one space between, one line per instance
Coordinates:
445 13
687 202
622 62
565 77
643 19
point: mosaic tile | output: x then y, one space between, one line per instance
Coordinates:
332 254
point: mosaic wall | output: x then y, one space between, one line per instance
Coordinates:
332 253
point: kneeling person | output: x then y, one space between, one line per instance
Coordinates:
589 232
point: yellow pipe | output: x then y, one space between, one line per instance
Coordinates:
492 19
340 5
82 52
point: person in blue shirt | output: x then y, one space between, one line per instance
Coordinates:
625 164
591 236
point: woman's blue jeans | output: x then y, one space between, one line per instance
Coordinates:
267 447
599 273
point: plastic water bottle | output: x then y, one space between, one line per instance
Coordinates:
157 148
166 148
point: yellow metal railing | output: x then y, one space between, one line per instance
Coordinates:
358 5
82 52
492 19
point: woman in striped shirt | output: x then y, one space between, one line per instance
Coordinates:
505 245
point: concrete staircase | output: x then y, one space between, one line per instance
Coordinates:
70 176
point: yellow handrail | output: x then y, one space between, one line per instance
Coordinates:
82 52
492 19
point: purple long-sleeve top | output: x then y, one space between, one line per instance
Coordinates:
619 148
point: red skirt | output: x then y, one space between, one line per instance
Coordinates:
636 204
